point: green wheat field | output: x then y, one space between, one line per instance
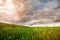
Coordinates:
17 32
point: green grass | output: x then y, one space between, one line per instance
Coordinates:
16 32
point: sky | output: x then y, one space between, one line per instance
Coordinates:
47 5
35 5
43 7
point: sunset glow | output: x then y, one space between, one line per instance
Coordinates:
10 10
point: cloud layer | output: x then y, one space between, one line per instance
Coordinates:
38 11
43 10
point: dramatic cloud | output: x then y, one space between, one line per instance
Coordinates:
43 9
36 5
37 11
